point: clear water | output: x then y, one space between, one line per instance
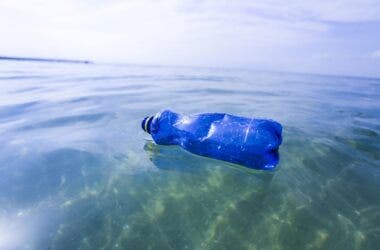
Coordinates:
77 172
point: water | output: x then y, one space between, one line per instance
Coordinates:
77 171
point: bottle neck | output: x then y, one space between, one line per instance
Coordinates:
146 124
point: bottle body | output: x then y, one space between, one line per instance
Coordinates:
250 142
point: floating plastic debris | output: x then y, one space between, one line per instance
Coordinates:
253 143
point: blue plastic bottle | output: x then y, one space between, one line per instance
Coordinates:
250 142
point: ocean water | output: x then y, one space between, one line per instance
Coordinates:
77 171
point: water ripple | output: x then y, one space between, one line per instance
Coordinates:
16 109
77 172
66 121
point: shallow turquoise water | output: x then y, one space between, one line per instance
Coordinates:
77 172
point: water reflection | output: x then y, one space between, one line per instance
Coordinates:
75 173
197 206
70 198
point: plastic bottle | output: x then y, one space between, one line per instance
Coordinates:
250 142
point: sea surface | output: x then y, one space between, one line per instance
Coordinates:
78 172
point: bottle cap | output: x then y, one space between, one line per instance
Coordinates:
145 124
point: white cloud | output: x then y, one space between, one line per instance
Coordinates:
210 32
376 54
140 30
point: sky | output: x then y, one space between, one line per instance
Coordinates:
340 37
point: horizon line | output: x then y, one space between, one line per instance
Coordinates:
41 59
86 61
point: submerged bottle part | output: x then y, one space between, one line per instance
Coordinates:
253 143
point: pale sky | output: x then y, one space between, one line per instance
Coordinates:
317 36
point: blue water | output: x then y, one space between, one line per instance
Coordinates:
77 171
